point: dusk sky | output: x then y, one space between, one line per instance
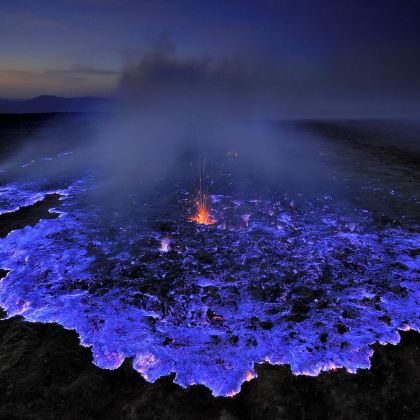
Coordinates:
332 57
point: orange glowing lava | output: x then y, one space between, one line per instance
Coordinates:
203 216
249 375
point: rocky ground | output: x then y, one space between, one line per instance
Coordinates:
46 374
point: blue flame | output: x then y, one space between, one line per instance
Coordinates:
312 288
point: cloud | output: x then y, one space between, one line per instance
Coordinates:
369 81
162 78
80 69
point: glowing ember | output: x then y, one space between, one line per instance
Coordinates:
203 216
249 375
165 245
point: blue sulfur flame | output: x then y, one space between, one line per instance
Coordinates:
313 287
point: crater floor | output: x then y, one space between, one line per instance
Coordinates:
279 278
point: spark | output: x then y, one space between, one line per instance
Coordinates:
202 216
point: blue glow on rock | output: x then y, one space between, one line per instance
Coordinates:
14 196
313 287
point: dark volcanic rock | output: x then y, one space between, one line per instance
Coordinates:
29 215
341 328
204 257
266 324
299 310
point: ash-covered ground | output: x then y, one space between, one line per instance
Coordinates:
307 268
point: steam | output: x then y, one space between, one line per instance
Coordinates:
170 107
173 110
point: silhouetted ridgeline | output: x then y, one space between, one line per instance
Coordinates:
48 104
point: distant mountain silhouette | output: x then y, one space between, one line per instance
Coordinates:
47 104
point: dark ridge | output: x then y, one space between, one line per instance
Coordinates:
21 130
29 215
46 374
51 104
387 140
24 121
